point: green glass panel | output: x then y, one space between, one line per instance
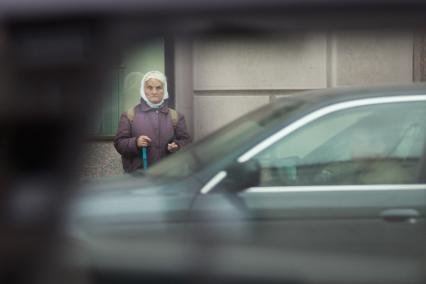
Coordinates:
125 88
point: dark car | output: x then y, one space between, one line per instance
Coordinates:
324 186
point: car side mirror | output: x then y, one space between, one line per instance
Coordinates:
241 176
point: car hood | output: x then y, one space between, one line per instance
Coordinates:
130 200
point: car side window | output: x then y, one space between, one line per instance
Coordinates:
374 144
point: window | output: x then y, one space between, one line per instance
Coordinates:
362 145
125 85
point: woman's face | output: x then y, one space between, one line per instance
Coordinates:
154 91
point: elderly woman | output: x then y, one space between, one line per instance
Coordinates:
150 124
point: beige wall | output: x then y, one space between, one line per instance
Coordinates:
293 61
231 76
370 58
214 110
183 81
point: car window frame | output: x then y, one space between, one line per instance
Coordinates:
310 117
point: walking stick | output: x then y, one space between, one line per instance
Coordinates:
144 157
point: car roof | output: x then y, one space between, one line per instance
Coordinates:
340 94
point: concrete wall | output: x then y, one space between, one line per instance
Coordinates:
292 61
184 100
369 58
232 76
100 159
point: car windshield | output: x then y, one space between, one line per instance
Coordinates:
224 141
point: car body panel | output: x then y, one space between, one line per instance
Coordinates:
217 202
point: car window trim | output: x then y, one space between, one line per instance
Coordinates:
213 182
320 113
332 188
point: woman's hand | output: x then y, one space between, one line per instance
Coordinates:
143 141
172 147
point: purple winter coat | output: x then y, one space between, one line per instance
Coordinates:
154 123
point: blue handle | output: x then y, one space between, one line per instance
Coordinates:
144 157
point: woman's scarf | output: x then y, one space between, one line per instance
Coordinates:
160 77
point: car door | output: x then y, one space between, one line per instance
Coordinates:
347 177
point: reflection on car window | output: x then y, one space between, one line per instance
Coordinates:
363 145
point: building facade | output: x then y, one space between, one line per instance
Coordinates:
217 79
